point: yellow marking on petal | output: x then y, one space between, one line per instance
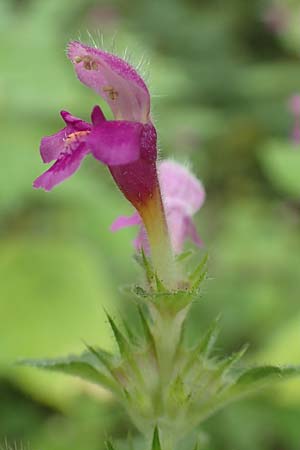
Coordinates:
111 92
73 137
88 62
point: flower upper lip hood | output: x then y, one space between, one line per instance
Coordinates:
114 80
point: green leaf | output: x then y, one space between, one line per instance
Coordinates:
159 285
209 339
130 335
121 340
184 256
147 266
199 273
201 278
260 375
251 379
126 350
102 356
147 331
204 347
245 382
156 442
228 363
180 344
84 366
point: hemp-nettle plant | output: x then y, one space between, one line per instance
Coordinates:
167 386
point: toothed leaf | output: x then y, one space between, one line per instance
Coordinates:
249 380
131 336
147 266
147 331
204 347
245 382
180 344
126 350
256 376
159 285
121 341
209 339
228 363
102 356
199 273
84 366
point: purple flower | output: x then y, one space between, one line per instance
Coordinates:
126 145
183 195
131 138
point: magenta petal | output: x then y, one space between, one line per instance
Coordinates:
178 183
125 221
74 122
141 241
181 228
114 79
116 142
63 168
177 225
97 116
52 146
138 180
192 233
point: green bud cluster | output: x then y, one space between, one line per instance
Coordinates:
167 387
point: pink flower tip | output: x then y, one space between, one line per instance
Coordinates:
116 81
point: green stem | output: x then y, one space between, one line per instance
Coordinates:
163 261
167 330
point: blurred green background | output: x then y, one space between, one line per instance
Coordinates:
221 74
